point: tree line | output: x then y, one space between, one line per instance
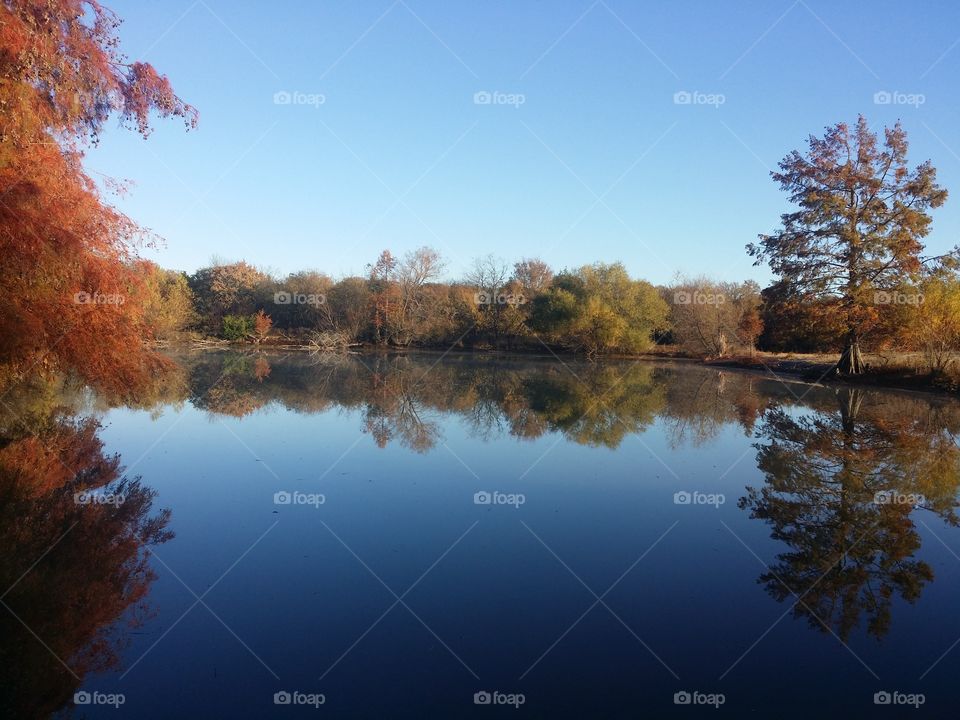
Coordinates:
595 309
403 302
848 258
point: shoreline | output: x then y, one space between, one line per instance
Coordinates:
807 369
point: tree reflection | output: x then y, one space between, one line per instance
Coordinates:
698 410
839 489
401 398
826 463
394 409
71 566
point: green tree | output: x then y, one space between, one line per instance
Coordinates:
599 309
238 327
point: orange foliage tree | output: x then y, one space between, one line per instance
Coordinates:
261 325
72 296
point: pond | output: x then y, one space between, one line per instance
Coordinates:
426 535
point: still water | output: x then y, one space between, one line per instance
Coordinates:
266 535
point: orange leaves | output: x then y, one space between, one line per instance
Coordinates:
262 324
61 65
73 300
146 90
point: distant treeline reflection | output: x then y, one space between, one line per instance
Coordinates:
848 472
847 475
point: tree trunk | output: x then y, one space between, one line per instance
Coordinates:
851 361
721 343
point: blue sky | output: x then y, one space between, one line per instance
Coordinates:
583 156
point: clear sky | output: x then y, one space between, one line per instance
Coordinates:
582 153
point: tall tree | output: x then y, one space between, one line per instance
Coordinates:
383 293
70 290
862 213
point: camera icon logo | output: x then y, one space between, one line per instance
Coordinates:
682 498
882 698
82 698
682 698
82 298
482 698
882 98
482 97
682 297
482 498
282 97
282 498
282 298
282 698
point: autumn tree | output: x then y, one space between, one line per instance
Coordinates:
261 325
383 294
62 76
797 323
861 216
348 301
228 289
533 275
167 300
933 325
300 301
413 274
712 318
489 277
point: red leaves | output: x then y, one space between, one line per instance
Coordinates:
74 299
144 90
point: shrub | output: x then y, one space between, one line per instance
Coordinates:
238 327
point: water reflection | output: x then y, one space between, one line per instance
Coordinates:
73 561
589 404
847 475
843 467
841 486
